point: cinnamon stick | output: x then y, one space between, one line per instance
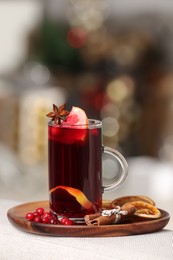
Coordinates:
88 218
122 214
130 209
101 220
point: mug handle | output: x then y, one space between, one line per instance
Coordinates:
123 164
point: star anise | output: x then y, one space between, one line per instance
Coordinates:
58 114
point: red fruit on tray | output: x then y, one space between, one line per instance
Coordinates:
30 216
66 221
37 219
40 211
40 216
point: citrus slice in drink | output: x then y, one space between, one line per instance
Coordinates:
72 129
77 116
74 126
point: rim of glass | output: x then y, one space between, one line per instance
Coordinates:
92 123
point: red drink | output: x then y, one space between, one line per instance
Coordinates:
75 169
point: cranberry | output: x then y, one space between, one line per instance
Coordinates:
47 215
40 216
66 221
36 214
37 219
62 220
53 220
45 220
30 216
40 211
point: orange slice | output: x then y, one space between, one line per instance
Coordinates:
126 199
77 116
145 210
79 195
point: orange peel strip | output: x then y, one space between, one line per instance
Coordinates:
79 195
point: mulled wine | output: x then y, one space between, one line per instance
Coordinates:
75 169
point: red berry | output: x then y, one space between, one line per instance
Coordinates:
40 216
40 211
45 220
30 216
53 221
47 215
66 221
37 219
36 214
62 220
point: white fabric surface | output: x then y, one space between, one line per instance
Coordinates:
15 244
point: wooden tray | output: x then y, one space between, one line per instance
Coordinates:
16 216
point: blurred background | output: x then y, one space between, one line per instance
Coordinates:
112 58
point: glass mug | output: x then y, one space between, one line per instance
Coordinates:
75 169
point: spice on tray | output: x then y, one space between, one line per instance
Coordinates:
112 216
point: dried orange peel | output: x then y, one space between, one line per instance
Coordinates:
126 199
79 195
144 206
145 210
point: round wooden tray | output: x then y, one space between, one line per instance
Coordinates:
16 216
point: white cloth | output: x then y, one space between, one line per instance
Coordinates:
15 244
